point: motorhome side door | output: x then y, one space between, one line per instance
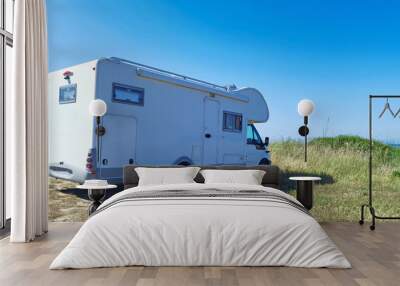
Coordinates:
211 132
117 144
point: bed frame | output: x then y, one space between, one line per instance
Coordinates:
270 179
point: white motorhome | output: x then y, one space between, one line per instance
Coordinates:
154 117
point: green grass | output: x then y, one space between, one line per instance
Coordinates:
342 162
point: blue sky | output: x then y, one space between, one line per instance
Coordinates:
332 52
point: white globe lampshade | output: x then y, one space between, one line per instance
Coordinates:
97 107
305 107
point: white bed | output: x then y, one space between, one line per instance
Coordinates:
184 230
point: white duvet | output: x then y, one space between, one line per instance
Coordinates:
200 231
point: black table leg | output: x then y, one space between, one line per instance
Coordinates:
304 193
97 197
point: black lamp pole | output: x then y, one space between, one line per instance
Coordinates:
305 107
100 131
305 138
303 131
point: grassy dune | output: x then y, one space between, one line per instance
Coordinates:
65 207
342 162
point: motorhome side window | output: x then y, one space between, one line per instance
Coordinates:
232 122
252 135
67 94
128 94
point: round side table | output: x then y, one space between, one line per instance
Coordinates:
304 192
96 194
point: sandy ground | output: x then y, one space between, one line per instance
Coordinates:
63 206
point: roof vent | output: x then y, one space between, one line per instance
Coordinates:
231 87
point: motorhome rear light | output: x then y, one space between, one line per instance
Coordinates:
66 73
89 166
89 154
89 160
67 76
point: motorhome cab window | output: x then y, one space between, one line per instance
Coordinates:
128 94
232 122
67 94
252 135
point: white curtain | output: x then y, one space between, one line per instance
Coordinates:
26 123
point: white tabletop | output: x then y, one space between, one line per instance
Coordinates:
88 187
305 178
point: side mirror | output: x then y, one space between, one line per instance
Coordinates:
266 141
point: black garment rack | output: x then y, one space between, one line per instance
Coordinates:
370 205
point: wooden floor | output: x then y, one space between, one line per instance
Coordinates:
375 257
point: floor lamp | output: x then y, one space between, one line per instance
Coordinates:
98 108
305 107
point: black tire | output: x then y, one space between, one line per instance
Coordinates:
184 163
372 227
264 161
361 222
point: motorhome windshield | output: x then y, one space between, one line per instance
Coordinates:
252 135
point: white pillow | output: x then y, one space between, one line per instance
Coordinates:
248 177
165 176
